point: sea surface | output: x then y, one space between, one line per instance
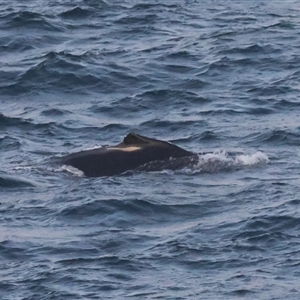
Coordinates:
219 78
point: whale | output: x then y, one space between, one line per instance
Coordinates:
134 152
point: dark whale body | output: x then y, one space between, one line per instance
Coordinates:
134 152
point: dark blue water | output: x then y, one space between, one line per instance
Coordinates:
210 76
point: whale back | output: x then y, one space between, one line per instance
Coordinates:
134 151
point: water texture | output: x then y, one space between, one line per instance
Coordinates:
219 78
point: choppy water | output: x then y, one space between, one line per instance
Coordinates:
210 76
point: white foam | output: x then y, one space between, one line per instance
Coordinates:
251 160
93 147
71 170
218 155
220 160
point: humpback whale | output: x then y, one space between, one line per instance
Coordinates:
133 152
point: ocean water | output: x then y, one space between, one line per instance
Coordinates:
214 77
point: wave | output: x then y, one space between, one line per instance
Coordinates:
11 121
29 20
276 137
28 124
76 13
65 71
9 143
69 73
261 232
11 182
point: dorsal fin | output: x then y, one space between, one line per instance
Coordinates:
134 139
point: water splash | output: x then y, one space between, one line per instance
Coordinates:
221 160
71 170
258 158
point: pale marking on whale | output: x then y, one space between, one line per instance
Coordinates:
125 149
